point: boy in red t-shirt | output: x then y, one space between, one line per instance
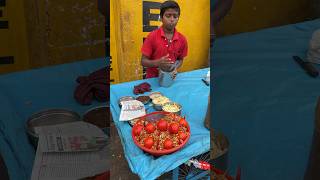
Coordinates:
164 46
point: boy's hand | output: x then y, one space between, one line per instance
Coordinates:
165 62
174 74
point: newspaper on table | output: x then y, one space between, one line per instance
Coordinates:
71 137
70 151
131 109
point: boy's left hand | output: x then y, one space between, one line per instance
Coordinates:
174 73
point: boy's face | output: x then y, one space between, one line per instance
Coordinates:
170 18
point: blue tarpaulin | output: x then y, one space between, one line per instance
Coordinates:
192 94
264 102
28 92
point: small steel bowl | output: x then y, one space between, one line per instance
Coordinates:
100 117
49 117
178 112
158 106
125 98
143 99
154 95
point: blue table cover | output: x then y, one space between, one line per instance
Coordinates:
28 92
192 94
264 102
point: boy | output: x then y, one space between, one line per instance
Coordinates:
164 46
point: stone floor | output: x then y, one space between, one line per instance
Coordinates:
120 169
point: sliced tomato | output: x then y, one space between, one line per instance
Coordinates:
174 128
150 128
148 142
137 129
162 125
167 144
183 136
183 122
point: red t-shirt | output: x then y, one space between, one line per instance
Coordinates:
156 46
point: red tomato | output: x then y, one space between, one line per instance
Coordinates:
182 135
150 128
137 129
183 122
167 144
174 128
162 125
148 142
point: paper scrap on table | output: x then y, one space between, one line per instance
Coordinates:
131 109
207 78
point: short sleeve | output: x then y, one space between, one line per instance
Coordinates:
146 48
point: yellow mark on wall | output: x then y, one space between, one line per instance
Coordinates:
155 23
154 11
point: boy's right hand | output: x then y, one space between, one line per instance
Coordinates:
165 62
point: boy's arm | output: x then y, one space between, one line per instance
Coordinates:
163 61
146 62
180 63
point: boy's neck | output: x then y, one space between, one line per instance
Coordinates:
166 31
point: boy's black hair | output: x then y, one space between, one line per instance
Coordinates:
167 5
